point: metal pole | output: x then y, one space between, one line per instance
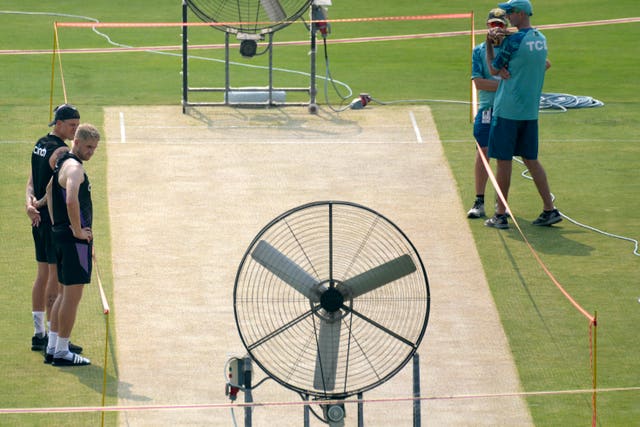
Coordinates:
248 397
312 82
417 417
306 412
360 411
271 68
185 58
226 68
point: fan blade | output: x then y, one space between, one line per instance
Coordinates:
327 358
274 10
380 276
287 270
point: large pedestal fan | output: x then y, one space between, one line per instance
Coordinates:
249 21
331 299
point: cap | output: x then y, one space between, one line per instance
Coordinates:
65 112
520 5
497 15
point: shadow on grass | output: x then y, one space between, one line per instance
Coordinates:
92 376
554 240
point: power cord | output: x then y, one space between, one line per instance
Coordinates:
525 174
563 101
329 79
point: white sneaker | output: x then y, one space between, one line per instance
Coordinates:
477 211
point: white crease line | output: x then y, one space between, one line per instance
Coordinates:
123 137
416 129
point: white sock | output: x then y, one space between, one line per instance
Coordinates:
48 325
62 347
38 323
53 340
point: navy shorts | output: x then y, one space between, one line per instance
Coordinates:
482 127
510 138
73 257
43 242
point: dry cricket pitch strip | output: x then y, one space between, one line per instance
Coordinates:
187 194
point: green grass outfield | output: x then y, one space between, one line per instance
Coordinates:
591 157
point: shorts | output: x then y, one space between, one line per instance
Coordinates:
43 242
510 138
482 126
73 257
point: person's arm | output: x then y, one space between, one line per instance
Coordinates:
56 155
490 85
53 160
495 35
48 198
32 211
73 177
491 55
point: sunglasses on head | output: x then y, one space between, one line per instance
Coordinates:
495 24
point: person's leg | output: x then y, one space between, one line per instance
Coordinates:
503 176
542 184
52 289
67 311
481 132
71 295
38 307
481 175
53 328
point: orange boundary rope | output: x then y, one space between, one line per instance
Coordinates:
573 302
76 409
222 24
105 310
592 318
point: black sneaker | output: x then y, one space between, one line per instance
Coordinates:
498 221
76 360
39 343
73 348
548 218
48 358
477 211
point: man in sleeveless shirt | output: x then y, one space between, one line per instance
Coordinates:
71 210
43 160
521 64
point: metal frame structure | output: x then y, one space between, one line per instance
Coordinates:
229 90
417 411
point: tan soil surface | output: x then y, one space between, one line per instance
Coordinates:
187 194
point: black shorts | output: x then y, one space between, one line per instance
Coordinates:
73 257
43 241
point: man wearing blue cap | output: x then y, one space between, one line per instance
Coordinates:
521 64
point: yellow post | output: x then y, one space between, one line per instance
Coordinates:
474 93
595 368
53 68
104 369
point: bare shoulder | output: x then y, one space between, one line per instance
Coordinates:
71 170
58 152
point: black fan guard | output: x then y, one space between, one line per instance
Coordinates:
378 330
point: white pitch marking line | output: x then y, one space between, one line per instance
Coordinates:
416 129
123 137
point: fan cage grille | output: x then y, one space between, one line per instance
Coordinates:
279 326
249 16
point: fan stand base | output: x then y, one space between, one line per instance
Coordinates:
417 411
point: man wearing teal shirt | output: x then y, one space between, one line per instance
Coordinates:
521 64
486 84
